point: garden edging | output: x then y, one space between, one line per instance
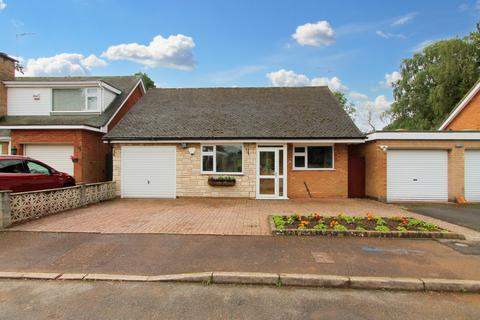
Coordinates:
278 279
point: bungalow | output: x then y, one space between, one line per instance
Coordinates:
61 120
274 142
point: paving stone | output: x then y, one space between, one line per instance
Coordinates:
11 275
245 278
115 277
313 280
41 275
72 276
183 277
451 285
386 283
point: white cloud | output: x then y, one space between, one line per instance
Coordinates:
172 52
391 78
422 45
370 113
288 78
2 5
64 64
314 34
358 96
404 19
388 35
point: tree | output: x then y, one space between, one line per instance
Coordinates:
146 80
348 106
433 82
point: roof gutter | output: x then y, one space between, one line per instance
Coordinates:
224 140
54 127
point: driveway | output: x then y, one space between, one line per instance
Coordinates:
467 215
206 215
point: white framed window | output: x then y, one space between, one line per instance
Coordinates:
313 157
76 100
222 159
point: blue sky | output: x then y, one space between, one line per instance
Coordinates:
348 45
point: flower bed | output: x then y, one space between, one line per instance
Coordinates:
221 181
367 226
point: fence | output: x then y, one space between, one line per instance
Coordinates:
23 206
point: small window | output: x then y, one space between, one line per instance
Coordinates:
75 100
36 168
12 166
313 157
225 158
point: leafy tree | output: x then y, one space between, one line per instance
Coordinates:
433 82
147 81
348 106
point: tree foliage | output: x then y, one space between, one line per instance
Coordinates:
147 81
433 82
348 106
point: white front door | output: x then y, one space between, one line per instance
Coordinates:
148 172
472 175
417 175
57 156
271 172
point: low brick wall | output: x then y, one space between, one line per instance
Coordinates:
24 206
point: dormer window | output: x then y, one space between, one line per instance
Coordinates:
76 100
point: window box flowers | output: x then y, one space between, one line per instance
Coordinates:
221 181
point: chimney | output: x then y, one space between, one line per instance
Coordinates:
7 72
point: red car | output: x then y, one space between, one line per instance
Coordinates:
19 174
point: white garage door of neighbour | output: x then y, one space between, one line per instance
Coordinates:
148 172
55 155
472 175
417 175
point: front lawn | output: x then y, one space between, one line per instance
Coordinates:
354 223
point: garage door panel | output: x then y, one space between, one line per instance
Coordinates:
414 175
56 156
148 172
472 175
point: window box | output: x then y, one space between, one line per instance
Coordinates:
221 181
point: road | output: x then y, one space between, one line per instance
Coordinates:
116 300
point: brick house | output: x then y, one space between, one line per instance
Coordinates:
61 120
466 115
275 142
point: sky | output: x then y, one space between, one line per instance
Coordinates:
352 46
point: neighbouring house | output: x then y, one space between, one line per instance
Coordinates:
466 115
275 142
61 120
421 166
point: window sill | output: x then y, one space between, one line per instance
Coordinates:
313 169
70 113
222 174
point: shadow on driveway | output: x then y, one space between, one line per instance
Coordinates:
467 215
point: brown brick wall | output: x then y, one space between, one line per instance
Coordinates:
3 148
134 97
88 147
376 163
324 183
7 72
468 118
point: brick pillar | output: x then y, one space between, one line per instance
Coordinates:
7 72
5 213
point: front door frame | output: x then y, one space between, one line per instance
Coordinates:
275 148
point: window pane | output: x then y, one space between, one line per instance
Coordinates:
299 149
92 103
280 162
207 163
267 186
267 163
320 157
34 167
12 166
299 161
92 91
207 148
68 100
229 158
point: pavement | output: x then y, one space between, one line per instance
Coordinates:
467 215
127 300
156 254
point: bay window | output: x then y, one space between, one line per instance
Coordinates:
312 157
76 100
222 158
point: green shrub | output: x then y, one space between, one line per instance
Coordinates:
401 228
301 227
360 228
320 226
340 227
382 228
380 222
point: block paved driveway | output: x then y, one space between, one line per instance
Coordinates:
205 216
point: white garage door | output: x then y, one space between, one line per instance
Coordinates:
56 156
148 172
417 175
472 175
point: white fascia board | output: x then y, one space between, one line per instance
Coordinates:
258 141
52 127
49 84
463 103
109 87
105 127
432 135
